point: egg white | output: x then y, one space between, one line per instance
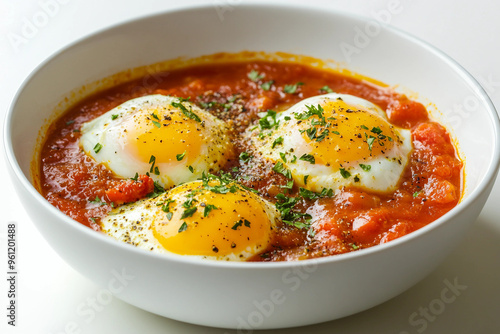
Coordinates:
133 223
385 170
107 140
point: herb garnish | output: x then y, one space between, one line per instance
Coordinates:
326 89
180 156
97 200
189 113
255 75
308 157
208 208
366 168
97 147
292 89
183 227
245 157
345 174
267 85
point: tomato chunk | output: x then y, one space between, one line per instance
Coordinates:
434 137
406 113
131 190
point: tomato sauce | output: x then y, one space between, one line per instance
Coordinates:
351 220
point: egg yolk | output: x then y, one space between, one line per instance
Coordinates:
345 134
234 222
168 136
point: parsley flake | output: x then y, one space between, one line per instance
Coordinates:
183 227
325 89
308 157
188 212
345 174
366 168
245 157
280 168
277 141
185 111
240 223
208 208
97 147
180 156
292 89
267 85
255 75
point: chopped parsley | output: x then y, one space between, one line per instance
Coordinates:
285 205
268 120
288 185
305 179
280 168
191 169
311 195
135 178
183 227
98 201
309 158
277 141
245 157
366 168
267 85
325 89
115 116
97 147
165 207
188 113
158 190
152 161
180 156
208 208
292 89
240 223
345 174
369 141
255 75
311 111
188 212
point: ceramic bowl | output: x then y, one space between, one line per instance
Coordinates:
258 295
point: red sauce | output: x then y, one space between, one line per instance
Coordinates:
353 219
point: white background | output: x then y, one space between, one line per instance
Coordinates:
49 291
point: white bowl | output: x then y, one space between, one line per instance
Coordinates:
258 295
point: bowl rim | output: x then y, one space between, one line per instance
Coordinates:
463 205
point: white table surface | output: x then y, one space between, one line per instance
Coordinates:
49 291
